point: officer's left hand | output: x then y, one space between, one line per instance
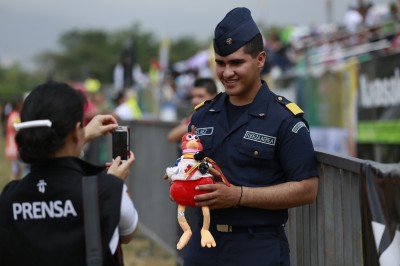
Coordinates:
100 125
219 196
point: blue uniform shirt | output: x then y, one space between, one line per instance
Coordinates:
267 145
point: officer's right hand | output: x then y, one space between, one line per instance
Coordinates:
119 169
218 195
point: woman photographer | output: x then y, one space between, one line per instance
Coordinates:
42 218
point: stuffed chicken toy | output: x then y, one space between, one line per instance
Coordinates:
192 169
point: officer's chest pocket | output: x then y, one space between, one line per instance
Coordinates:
256 150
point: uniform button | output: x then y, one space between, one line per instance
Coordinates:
280 98
255 153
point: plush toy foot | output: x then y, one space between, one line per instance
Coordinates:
207 239
184 239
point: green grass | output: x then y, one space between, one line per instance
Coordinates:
141 251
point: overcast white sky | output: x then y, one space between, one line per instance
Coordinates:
30 27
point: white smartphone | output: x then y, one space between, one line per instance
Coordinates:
121 142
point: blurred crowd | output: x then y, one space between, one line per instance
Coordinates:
165 93
168 93
371 28
365 31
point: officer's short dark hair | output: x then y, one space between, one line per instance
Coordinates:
57 102
207 83
254 46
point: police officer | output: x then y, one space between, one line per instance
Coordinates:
262 144
41 221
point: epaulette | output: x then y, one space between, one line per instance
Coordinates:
200 105
294 108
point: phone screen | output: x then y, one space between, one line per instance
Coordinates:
120 144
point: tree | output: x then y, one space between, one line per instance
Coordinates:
96 52
146 45
185 47
83 53
16 81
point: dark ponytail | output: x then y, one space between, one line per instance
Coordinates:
60 104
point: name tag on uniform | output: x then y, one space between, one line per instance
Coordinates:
204 131
261 138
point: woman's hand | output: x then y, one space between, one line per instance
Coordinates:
119 169
99 126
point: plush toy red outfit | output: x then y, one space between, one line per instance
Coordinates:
192 169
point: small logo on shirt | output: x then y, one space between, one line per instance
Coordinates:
41 186
257 137
204 131
297 127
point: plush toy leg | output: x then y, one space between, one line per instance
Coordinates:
206 238
187 232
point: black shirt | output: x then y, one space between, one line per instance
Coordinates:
41 221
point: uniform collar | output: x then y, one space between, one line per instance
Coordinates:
258 107
67 163
218 103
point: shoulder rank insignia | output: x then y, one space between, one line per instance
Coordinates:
201 105
206 102
294 108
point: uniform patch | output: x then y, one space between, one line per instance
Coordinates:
257 137
204 131
297 127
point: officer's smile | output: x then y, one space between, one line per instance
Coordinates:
231 83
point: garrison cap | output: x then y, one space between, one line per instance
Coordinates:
235 30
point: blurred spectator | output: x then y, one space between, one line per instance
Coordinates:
203 89
168 110
4 116
394 11
103 106
118 76
96 151
395 42
127 107
92 84
376 14
11 149
184 82
389 26
352 21
277 56
90 109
